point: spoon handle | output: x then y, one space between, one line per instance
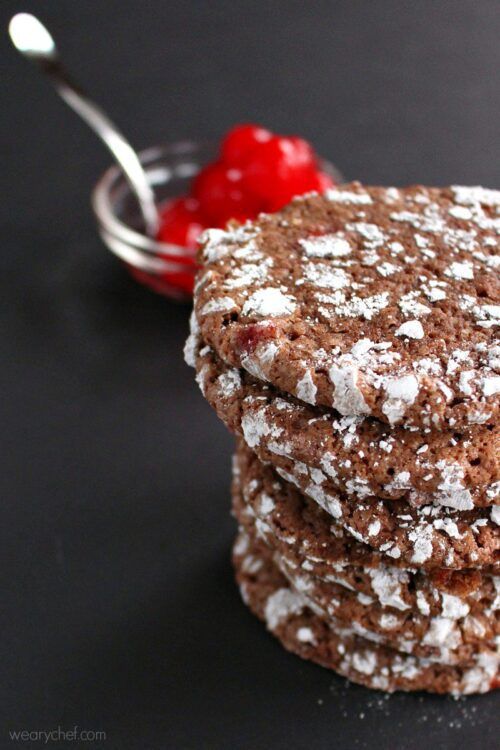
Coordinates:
33 40
107 131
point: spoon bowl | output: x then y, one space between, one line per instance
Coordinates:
31 38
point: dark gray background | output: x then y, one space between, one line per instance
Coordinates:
121 613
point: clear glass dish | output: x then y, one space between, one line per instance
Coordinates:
170 170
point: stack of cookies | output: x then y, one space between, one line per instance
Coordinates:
348 342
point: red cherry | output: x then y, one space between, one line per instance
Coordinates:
257 171
183 280
241 218
240 141
300 151
307 182
220 192
278 168
323 182
171 285
181 223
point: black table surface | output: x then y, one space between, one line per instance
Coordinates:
121 615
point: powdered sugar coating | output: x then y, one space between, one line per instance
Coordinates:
306 389
425 536
359 456
308 544
344 648
268 303
445 639
326 246
429 535
413 329
413 268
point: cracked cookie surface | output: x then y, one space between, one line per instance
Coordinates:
303 630
374 301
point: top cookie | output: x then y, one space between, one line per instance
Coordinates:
375 301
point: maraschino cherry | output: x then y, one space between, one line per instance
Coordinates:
256 171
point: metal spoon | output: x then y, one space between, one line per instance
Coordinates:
32 39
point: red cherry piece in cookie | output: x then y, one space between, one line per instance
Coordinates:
240 142
181 223
254 334
220 192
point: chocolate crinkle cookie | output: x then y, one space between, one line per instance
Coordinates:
445 618
303 630
348 342
373 301
306 452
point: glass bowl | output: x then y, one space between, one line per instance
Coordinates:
166 268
